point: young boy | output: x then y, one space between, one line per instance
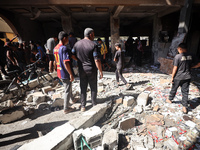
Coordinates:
181 75
119 59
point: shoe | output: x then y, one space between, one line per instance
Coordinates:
82 109
185 111
68 110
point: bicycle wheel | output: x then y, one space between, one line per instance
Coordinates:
9 92
45 79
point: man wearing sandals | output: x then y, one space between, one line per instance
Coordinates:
181 75
64 68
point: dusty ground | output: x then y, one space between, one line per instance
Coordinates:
42 121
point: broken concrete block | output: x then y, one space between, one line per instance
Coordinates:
61 89
128 101
76 138
156 108
150 143
110 140
36 98
46 89
58 138
142 99
43 106
6 118
90 117
155 119
93 136
171 144
119 100
59 102
126 124
6 105
100 88
56 95
100 83
138 109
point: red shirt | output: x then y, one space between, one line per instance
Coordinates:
56 55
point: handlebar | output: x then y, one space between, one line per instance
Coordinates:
33 64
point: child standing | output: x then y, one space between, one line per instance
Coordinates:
119 59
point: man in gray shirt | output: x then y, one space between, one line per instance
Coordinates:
49 46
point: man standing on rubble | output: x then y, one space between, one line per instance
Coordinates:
181 75
64 68
88 57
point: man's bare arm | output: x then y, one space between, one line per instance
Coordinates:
98 64
175 68
69 70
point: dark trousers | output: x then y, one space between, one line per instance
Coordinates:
184 89
118 73
68 92
86 78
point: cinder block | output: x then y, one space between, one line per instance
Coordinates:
127 123
56 95
142 99
46 89
93 137
110 140
119 100
128 101
36 98
59 102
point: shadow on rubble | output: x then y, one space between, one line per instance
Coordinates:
30 133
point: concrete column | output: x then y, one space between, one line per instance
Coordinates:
157 27
67 23
185 17
114 28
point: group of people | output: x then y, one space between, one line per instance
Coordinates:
64 49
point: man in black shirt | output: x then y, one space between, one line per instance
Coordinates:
88 58
181 75
119 58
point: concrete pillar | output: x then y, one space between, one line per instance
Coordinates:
67 23
157 27
185 17
114 28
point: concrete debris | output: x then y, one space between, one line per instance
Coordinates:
146 123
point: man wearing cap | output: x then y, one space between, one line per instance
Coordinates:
64 68
88 57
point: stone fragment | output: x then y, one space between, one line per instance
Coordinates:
156 108
171 144
142 99
149 142
110 140
119 100
36 98
6 118
56 95
100 89
6 105
126 124
59 102
46 89
43 106
155 119
128 101
138 109
100 83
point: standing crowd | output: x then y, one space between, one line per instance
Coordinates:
62 52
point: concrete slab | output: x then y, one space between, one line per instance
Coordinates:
59 138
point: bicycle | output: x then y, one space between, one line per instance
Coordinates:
12 89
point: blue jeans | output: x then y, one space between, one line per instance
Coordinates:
68 92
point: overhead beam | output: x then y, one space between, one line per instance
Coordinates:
87 2
117 11
59 10
168 11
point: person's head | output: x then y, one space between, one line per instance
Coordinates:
99 40
55 38
182 48
63 36
71 34
38 43
34 51
89 33
117 46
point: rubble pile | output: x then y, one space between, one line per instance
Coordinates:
137 119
